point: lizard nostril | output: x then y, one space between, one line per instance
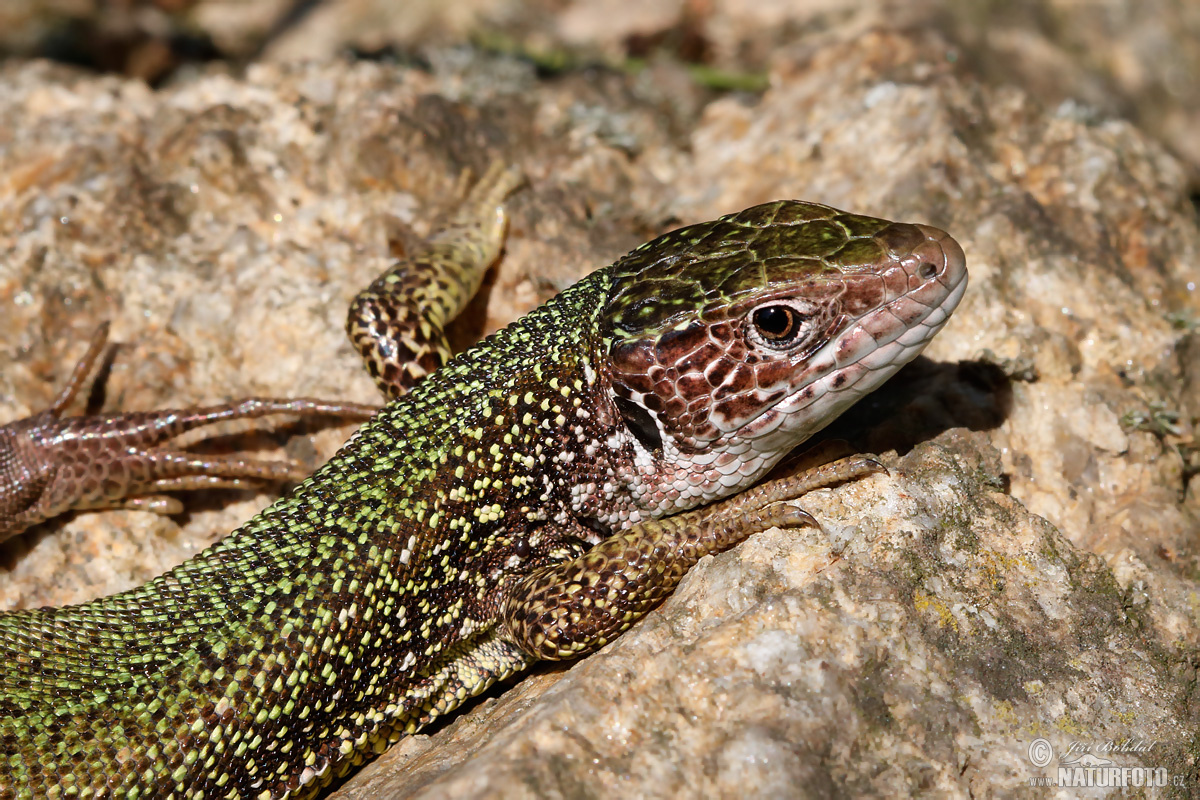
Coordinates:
927 271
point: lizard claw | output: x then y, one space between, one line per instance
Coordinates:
789 516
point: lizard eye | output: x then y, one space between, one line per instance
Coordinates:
777 325
784 325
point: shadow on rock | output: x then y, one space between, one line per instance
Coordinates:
922 401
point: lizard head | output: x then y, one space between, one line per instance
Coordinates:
732 341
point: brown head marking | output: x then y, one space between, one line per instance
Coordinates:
749 333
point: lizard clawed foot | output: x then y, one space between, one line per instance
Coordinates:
766 506
121 460
398 323
565 609
483 204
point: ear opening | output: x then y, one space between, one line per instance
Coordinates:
641 424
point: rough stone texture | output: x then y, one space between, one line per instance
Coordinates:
950 629
223 227
1131 58
1029 567
1139 59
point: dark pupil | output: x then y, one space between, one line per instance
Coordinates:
775 322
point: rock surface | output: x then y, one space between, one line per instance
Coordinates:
1139 59
1027 570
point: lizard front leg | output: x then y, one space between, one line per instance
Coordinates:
573 607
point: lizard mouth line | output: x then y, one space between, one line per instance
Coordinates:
879 342
875 354
872 349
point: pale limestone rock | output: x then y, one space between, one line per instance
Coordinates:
1028 569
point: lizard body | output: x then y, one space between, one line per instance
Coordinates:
528 500
51 463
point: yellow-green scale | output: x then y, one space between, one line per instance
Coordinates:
327 625
503 511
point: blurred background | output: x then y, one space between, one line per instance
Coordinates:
1137 59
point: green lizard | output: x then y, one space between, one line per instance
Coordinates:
528 500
